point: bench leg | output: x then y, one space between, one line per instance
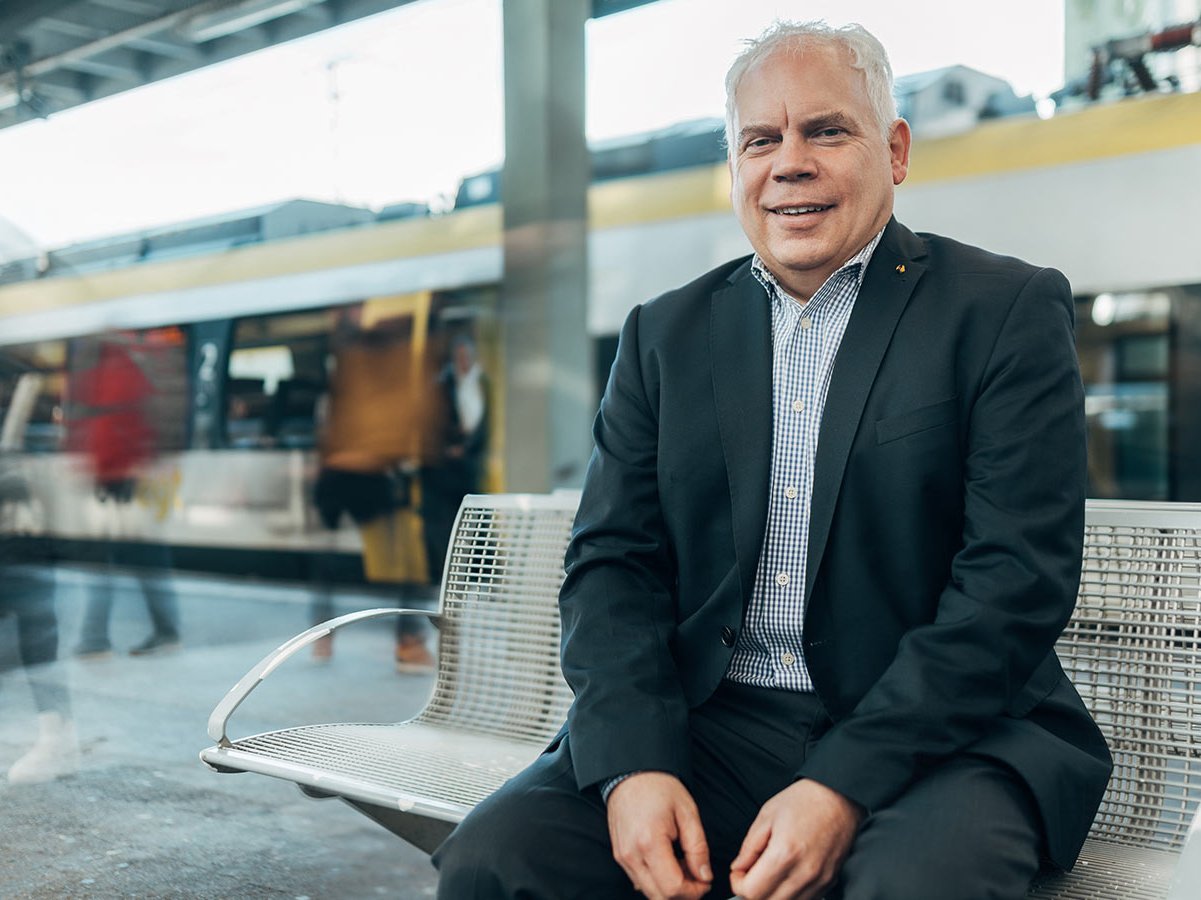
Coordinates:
423 833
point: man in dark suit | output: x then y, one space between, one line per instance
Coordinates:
830 532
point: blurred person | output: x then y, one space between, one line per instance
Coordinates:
363 495
111 398
456 471
830 531
368 422
27 594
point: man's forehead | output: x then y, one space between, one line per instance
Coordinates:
815 91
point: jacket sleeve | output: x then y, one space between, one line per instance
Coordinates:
989 649
617 603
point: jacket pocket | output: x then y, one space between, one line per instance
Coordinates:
892 428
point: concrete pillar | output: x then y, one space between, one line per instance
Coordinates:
547 382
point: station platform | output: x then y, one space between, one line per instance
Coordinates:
142 816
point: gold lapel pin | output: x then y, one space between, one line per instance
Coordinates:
901 269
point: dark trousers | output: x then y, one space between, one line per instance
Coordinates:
967 830
150 566
29 596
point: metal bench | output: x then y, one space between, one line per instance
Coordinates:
499 696
1133 649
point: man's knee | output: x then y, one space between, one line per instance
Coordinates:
537 838
477 859
968 831
918 877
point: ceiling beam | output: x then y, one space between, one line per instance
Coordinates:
112 71
161 46
67 58
72 29
136 7
14 17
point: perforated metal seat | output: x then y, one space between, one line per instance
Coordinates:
1133 650
499 695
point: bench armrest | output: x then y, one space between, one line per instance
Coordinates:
240 691
1186 881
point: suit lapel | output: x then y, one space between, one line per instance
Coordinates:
741 350
891 277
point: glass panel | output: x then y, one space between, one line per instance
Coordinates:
1125 358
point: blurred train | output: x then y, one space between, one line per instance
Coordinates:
236 317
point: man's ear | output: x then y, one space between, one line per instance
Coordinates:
899 139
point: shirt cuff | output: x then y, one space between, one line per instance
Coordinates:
607 786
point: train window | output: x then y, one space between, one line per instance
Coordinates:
276 375
953 93
1125 352
162 353
32 387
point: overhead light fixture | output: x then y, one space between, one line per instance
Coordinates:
234 17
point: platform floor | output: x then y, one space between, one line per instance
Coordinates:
143 817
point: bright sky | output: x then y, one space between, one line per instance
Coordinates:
401 106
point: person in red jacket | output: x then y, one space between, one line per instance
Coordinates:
113 429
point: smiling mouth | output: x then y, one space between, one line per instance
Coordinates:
799 210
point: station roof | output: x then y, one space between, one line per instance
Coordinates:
56 54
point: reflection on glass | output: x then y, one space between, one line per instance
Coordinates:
1126 352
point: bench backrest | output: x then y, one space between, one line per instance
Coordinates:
499 670
1133 650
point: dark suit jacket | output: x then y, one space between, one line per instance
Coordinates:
945 529
460 475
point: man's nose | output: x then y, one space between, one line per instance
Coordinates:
794 160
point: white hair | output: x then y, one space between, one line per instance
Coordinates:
866 54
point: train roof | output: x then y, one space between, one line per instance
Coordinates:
209 234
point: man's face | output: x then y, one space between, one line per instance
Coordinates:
812 175
464 359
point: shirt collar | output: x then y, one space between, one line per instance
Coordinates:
857 264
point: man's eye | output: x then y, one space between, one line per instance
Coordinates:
758 142
831 132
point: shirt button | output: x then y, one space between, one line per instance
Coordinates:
782 579
798 405
788 659
790 492
806 322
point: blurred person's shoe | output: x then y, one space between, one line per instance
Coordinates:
93 651
413 657
156 643
53 755
323 648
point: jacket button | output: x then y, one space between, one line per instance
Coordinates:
727 635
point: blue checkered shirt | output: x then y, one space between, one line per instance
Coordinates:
805 340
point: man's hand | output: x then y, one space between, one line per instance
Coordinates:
796 844
650 813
